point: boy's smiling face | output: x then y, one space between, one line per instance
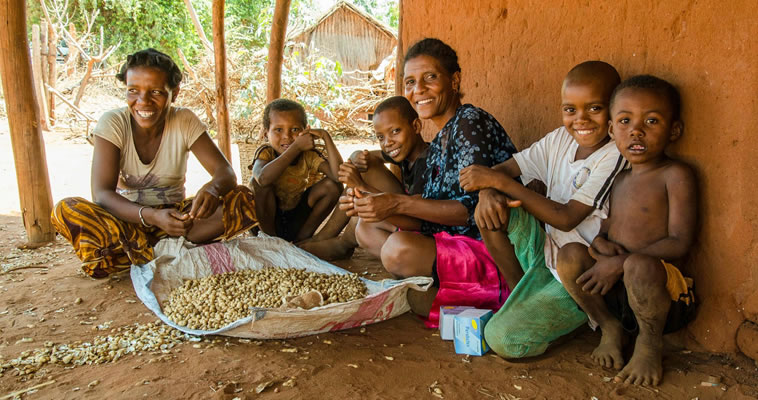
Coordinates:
584 107
398 137
285 127
642 124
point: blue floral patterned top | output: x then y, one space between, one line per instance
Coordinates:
472 136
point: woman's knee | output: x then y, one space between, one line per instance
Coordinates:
408 254
395 254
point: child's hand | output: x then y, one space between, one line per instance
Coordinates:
607 248
478 177
304 141
359 158
603 275
318 133
350 176
347 203
492 211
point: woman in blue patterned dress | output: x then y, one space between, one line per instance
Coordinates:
434 234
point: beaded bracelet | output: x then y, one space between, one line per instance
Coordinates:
145 224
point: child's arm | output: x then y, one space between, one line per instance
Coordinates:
682 206
333 155
561 216
267 172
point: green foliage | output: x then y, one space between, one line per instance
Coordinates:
167 26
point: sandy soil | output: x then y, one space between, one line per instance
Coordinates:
394 359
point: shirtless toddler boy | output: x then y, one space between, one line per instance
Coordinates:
624 281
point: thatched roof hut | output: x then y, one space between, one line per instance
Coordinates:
348 35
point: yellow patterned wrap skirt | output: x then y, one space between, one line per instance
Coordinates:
106 244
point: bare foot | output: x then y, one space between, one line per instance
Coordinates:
608 352
329 249
645 367
421 302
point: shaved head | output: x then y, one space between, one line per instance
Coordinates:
594 73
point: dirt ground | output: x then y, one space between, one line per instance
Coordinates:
394 359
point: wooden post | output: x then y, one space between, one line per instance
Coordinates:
400 53
38 84
198 27
276 50
222 113
73 52
23 114
52 54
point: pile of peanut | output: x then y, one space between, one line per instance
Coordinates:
218 300
130 339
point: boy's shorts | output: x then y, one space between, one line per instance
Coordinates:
289 222
682 309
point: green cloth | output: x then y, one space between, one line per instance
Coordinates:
539 310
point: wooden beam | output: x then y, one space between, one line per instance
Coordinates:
222 113
400 53
276 50
23 116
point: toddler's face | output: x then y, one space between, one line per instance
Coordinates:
642 124
284 129
584 107
397 137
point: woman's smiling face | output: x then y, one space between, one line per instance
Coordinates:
432 91
148 96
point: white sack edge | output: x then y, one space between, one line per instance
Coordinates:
176 260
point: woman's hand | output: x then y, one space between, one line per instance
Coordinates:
350 176
347 203
478 177
359 158
205 202
375 207
169 220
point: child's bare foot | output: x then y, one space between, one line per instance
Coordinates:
608 352
329 249
645 367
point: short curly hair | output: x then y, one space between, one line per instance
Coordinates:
438 49
152 58
280 105
401 105
655 84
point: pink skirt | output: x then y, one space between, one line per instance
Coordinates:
468 276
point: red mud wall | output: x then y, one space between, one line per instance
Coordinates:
515 53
